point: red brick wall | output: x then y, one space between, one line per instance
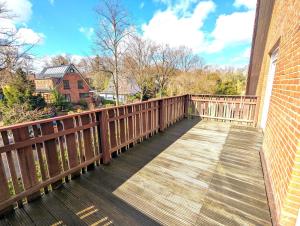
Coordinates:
281 146
74 92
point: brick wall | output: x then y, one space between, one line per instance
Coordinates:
74 92
281 147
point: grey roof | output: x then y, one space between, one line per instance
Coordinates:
56 71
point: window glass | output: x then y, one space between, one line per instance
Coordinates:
80 84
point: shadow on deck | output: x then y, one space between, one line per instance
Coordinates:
195 173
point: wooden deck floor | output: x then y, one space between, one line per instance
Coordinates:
195 173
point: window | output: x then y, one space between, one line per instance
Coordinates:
84 95
66 84
68 97
269 86
80 84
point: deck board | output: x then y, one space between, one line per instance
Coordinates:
195 173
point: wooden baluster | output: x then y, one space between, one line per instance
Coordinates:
137 122
145 120
62 149
87 140
96 136
4 194
12 166
149 121
40 157
122 134
54 167
26 162
112 129
130 123
71 146
79 140
162 115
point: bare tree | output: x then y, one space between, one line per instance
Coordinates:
12 51
187 60
92 70
59 60
165 61
111 38
138 63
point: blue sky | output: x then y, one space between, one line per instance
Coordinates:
220 31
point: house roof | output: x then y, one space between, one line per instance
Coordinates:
56 71
127 86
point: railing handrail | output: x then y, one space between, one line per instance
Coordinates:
237 96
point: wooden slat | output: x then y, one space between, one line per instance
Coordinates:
79 140
61 147
11 164
122 126
26 162
112 129
54 166
87 140
4 194
40 157
73 158
162 113
106 155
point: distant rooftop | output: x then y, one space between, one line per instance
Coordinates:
127 86
57 71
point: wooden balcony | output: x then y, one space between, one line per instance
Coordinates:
196 172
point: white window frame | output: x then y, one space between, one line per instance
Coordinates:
269 87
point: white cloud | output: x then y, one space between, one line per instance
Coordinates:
52 2
250 4
28 36
87 31
21 10
178 26
232 29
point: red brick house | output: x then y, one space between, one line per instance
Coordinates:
67 80
274 75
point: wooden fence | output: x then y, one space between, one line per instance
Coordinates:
38 156
238 109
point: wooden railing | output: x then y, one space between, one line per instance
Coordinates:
237 109
38 156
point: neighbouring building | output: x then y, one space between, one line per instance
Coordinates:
67 80
127 87
274 75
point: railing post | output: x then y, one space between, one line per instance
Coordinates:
106 156
162 115
186 105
